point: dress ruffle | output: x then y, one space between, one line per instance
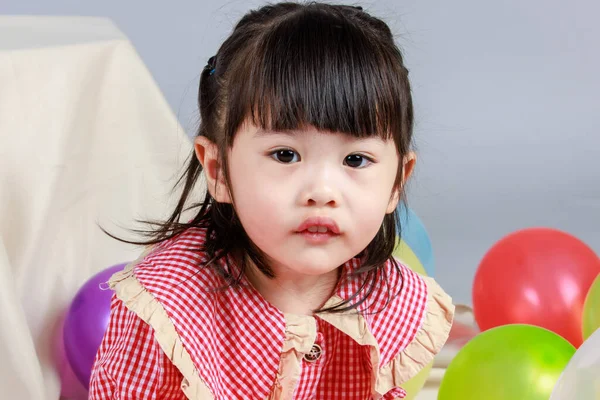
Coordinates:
420 352
137 299
300 334
428 341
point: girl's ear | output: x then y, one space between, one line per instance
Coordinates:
408 165
207 153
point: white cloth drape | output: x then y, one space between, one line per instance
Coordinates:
86 137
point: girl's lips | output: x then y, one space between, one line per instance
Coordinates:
317 237
318 230
319 222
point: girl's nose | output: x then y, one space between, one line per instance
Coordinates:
321 194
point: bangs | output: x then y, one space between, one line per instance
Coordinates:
321 70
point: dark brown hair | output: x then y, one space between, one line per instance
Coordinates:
287 66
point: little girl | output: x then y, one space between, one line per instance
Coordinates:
283 284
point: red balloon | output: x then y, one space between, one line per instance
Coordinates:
536 276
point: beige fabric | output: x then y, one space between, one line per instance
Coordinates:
86 137
300 334
427 343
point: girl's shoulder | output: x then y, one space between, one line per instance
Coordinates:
171 275
175 264
415 325
409 317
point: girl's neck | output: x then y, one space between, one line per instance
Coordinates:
294 293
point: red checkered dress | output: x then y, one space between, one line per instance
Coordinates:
238 346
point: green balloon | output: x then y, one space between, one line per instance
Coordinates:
510 362
591 310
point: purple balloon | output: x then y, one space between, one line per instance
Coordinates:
86 322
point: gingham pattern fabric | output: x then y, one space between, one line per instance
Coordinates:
235 337
131 365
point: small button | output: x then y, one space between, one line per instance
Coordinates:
314 354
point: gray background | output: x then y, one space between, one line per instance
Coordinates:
507 106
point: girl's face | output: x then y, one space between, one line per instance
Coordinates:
311 200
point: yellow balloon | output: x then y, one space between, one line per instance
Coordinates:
404 253
591 310
416 383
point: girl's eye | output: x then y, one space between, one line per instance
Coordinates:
285 156
356 161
